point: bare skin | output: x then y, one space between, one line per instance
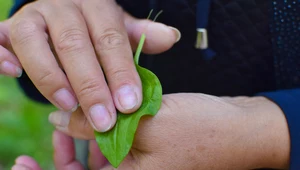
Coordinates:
81 53
191 131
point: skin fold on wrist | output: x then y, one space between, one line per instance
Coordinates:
267 132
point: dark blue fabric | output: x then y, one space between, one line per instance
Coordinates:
285 29
238 69
289 102
202 13
18 4
203 8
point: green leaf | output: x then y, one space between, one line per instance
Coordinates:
116 143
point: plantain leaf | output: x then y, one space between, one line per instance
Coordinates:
116 143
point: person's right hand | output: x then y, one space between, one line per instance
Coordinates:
9 64
61 43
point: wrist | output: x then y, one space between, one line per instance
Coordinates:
268 130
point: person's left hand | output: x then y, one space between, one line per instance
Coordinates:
191 131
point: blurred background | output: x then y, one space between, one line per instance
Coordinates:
24 127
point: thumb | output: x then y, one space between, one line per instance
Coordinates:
160 37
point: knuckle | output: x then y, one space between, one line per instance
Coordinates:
89 87
71 40
110 39
46 79
119 73
23 30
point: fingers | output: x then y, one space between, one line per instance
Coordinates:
71 39
20 167
64 156
112 46
25 163
76 125
9 64
96 159
72 43
64 152
30 43
73 124
160 37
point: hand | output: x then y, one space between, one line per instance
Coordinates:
74 36
192 131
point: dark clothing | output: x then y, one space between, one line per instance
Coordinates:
257 53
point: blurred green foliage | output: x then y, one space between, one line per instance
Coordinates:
24 127
4 7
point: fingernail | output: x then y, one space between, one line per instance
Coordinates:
62 129
19 72
65 100
177 33
101 119
20 167
11 69
60 118
127 97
